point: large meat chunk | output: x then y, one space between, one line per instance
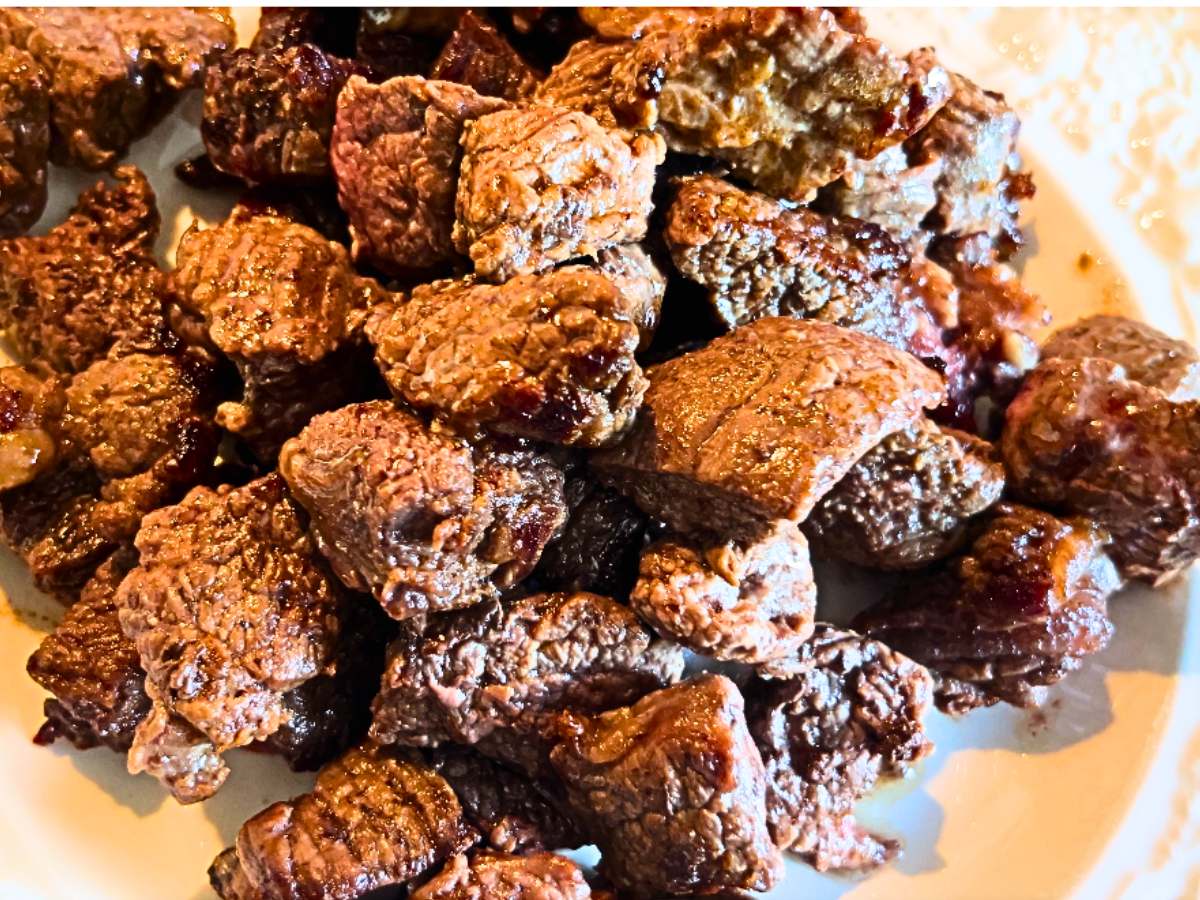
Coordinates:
229 609
494 675
758 257
24 139
907 502
548 357
90 286
114 71
499 876
1015 613
396 155
751 598
422 520
286 307
478 56
1084 438
761 423
541 185
672 790
374 818
835 718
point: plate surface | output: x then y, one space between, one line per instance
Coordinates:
1097 795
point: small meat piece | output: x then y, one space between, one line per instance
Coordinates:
31 411
229 609
396 155
540 186
848 712
420 519
1015 613
286 307
761 423
478 56
673 791
583 80
268 116
114 72
748 599
24 140
548 357
640 284
374 818
177 753
908 501
887 191
496 876
1084 438
758 257
473 676
89 287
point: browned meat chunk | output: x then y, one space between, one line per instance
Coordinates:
907 502
633 22
114 71
583 80
758 257
286 306
229 609
887 191
478 56
672 790
1083 438
496 876
541 185
396 156
420 519
1017 612
848 712
748 599
816 395
31 412
548 357
493 675
24 139
640 284
373 819
90 286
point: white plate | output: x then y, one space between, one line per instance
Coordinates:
1095 796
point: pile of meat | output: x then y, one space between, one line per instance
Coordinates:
542 354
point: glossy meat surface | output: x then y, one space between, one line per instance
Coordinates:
24 139
478 56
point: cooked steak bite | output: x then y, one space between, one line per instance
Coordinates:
548 357
836 717
907 502
673 791
24 139
761 423
478 56
1084 438
640 284
499 876
583 80
494 675
89 287
396 155
176 753
749 598
31 412
541 185
887 191
633 22
1015 613
374 818
422 520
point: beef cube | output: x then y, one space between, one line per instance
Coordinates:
499 876
286 307
541 185
90 286
1015 613
493 676
761 423
750 598
758 257
24 139
583 80
478 56
1084 438
396 155
673 791
640 284
31 414
908 501
422 520
374 818
229 608
887 191
839 715
114 71
548 357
